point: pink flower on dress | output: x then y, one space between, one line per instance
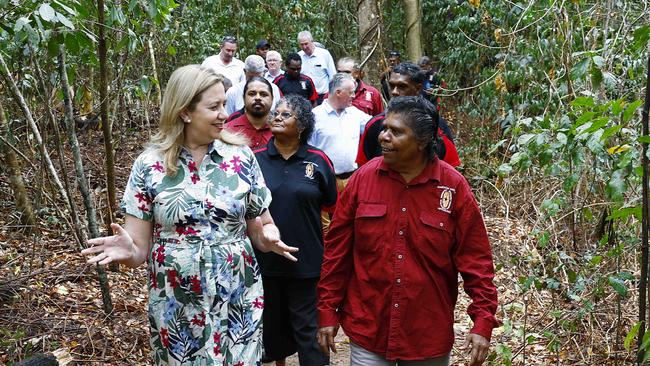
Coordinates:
195 178
158 166
172 278
224 166
192 166
143 208
258 303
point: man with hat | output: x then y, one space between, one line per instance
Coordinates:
394 59
262 47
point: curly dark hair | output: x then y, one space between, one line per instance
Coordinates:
301 107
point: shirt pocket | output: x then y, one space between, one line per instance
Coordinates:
369 226
437 231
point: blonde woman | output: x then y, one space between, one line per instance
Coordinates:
194 198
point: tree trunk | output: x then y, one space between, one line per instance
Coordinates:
413 14
32 124
109 161
91 215
643 281
77 223
370 46
23 205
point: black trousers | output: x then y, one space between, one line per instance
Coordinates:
290 320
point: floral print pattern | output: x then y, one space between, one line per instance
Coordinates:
205 291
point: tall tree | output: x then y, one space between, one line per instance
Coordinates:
370 46
23 204
413 10
109 161
91 215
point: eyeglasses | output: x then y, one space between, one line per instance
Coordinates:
284 115
345 71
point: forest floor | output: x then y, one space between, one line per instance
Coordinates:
50 299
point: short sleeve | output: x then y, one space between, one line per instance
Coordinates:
259 196
138 194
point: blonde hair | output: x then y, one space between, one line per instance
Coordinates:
183 91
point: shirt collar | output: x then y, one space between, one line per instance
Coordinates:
273 151
431 172
216 146
330 110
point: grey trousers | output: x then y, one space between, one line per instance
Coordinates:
362 357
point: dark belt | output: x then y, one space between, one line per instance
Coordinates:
344 175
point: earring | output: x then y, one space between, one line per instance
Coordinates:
188 120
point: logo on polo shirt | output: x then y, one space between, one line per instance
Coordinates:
309 170
303 84
369 96
446 198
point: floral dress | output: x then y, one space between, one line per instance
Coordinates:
205 290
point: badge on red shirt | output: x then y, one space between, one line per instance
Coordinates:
446 198
369 96
303 84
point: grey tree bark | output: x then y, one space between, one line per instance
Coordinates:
413 14
370 46
91 214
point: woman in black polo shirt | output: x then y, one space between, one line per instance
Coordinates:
302 182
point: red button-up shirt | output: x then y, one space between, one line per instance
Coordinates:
257 137
392 258
367 99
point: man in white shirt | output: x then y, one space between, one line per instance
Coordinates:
339 125
225 63
254 66
317 63
273 63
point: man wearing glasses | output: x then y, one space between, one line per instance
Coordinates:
366 98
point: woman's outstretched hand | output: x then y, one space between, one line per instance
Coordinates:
268 236
115 248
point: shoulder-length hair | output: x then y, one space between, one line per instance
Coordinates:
184 91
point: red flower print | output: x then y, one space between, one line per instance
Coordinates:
158 166
217 338
224 166
192 166
195 284
248 258
142 197
143 208
160 254
172 278
235 160
258 303
164 336
195 178
229 258
199 320
190 231
208 204
236 168
239 364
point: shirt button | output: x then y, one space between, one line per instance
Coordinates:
401 232
396 305
403 209
399 280
441 224
399 256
